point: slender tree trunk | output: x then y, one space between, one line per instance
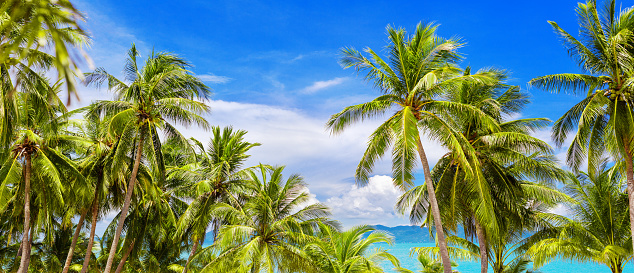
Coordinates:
194 248
19 250
216 224
124 258
69 257
91 239
442 242
126 206
630 186
484 256
26 246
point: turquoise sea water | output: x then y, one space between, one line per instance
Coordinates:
401 251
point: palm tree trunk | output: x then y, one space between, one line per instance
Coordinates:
124 258
630 185
442 242
26 246
91 239
126 206
19 250
194 248
216 224
484 256
69 257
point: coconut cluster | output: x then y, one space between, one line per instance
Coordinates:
617 94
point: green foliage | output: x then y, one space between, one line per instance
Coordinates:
267 232
598 230
26 26
349 251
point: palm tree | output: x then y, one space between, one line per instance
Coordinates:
267 233
161 91
88 140
27 26
35 163
418 70
598 230
427 265
604 118
505 157
217 177
349 251
151 225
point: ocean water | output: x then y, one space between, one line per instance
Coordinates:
401 251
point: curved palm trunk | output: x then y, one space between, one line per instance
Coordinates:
484 256
630 186
26 245
126 206
442 242
125 257
69 257
194 248
91 239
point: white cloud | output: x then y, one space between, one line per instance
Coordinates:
214 78
319 85
372 204
561 209
301 141
299 57
275 82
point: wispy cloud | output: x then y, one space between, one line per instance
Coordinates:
214 78
299 57
320 85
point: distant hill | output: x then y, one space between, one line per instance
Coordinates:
407 234
401 234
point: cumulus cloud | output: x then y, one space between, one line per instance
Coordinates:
300 141
372 204
320 85
214 78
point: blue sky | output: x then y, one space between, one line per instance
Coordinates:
274 71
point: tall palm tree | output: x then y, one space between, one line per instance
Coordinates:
217 177
506 250
507 156
420 67
349 251
88 140
149 242
266 234
604 119
599 229
34 163
160 92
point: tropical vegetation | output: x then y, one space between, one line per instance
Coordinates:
173 203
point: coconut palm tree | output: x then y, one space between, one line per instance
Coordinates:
217 177
267 233
149 245
160 92
88 140
419 68
507 156
34 163
599 228
603 119
427 265
349 251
